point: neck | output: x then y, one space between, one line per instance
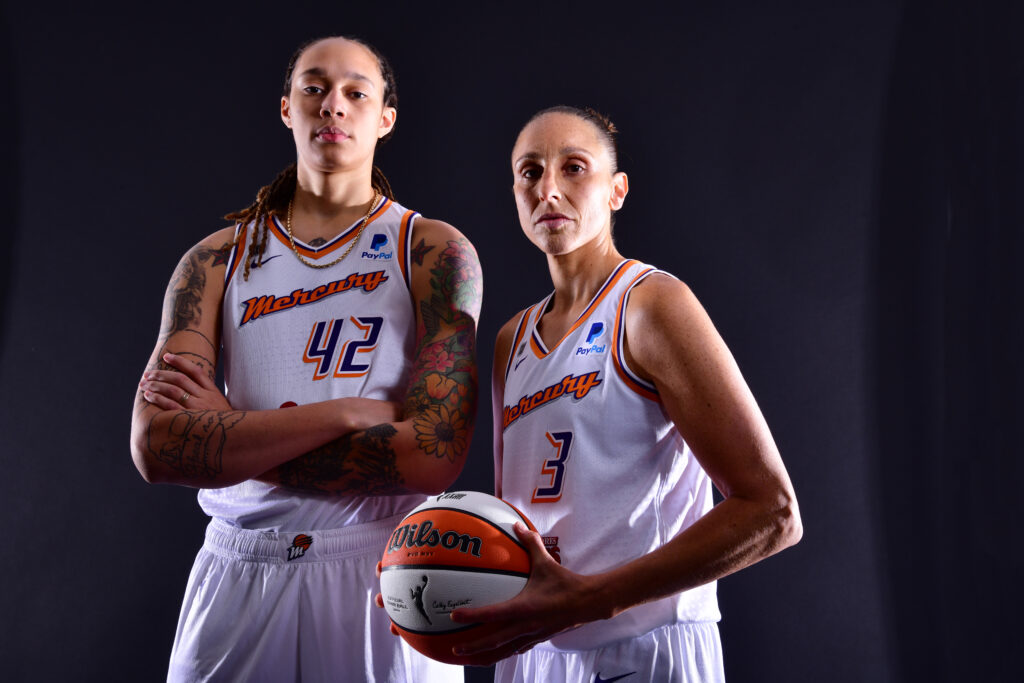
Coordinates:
579 274
325 204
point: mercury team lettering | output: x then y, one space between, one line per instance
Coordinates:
578 386
259 306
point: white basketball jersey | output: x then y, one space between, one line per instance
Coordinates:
293 334
591 458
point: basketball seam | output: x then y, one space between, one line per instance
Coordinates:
456 568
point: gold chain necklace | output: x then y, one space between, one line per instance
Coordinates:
362 224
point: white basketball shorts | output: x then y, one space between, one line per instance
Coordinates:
677 653
292 606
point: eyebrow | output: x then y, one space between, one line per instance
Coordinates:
321 73
564 151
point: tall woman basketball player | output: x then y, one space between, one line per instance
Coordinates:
348 326
617 406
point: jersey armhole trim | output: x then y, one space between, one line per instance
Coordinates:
405 242
524 320
237 253
630 378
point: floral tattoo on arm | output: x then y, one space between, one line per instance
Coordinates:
443 386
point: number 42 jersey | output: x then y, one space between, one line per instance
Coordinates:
591 458
293 334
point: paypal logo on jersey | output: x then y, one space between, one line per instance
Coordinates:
596 330
378 242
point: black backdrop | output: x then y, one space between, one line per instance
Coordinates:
840 184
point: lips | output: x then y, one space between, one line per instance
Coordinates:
552 220
331 134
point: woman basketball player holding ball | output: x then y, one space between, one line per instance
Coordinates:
617 406
348 332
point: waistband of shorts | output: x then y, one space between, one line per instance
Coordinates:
293 547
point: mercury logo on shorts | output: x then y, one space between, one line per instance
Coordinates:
300 544
596 330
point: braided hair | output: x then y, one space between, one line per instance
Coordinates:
274 198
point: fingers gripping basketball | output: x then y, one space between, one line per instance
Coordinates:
458 549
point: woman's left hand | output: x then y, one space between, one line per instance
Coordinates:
185 387
553 600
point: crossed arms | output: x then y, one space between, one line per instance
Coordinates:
342 446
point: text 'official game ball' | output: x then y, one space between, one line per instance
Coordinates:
457 549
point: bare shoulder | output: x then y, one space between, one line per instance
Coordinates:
665 323
660 299
215 247
434 229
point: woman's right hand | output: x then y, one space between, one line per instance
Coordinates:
186 386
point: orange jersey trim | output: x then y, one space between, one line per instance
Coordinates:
631 381
279 233
535 341
405 240
238 252
520 332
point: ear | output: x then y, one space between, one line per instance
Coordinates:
387 121
286 111
620 188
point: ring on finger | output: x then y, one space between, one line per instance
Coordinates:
184 397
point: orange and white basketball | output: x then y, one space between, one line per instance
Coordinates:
457 549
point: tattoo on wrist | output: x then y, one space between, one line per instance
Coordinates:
193 442
363 463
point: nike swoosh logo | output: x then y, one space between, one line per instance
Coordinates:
519 363
598 679
258 264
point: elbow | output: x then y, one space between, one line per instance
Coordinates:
789 527
437 481
437 477
143 460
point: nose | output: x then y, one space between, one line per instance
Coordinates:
547 186
333 104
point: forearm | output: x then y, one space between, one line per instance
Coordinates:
386 459
423 453
212 448
735 534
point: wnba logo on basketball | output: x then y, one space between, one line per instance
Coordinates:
409 536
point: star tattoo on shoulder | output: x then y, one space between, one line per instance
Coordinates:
421 250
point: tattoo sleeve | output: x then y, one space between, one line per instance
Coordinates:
191 442
183 312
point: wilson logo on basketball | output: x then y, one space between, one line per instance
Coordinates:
300 544
408 536
570 385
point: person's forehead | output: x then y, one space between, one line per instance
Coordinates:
558 132
338 55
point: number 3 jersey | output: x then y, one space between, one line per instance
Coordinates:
293 334
590 456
